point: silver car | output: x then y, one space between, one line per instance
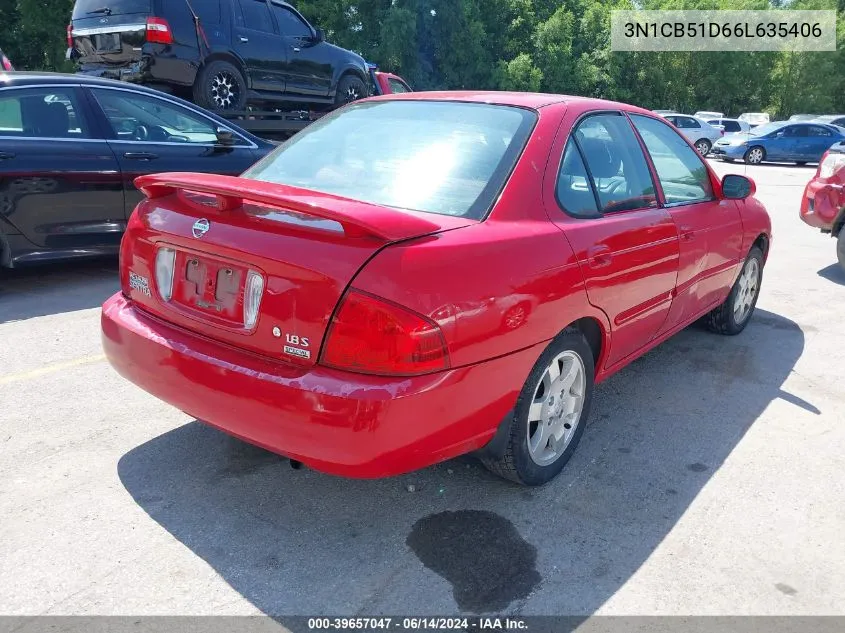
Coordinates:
699 132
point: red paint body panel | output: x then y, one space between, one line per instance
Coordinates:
827 196
383 80
499 289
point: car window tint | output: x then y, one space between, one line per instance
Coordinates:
681 170
290 23
137 117
615 162
574 191
256 16
41 113
732 126
817 130
449 158
397 86
692 123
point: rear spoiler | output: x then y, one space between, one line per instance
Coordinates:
356 218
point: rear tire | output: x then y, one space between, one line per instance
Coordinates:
703 146
220 87
550 414
734 314
350 88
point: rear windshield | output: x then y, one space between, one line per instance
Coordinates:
441 157
93 8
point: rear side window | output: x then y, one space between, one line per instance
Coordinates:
89 8
290 24
681 170
817 130
574 191
615 163
448 158
732 126
41 113
255 15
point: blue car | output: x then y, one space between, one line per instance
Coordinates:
781 141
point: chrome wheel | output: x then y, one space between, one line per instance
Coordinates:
754 156
556 408
225 90
748 287
703 147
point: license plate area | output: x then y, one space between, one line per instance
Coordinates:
107 42
210 288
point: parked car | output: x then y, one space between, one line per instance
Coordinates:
698 131
803 117
831 119
730 126
387 83
71 147
321 308
228 54
664 112
755 118
823 206
5 64
781 141
709 114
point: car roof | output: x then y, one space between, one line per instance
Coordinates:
534 100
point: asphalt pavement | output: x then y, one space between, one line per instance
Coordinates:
710 479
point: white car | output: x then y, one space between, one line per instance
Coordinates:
709 114
730 126
698 131
755 118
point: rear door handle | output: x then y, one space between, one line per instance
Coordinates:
599 256
296 49
244 39
6 155
140 156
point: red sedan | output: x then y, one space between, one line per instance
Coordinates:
823 206
420 276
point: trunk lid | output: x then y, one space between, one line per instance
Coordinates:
110 32
306 247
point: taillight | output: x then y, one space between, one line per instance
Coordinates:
830 164
70 35
252 298
369 335
5 63
158 31
165 261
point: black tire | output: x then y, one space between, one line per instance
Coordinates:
840 247
703 146
723 320
516 464
350 88
751 155
220 87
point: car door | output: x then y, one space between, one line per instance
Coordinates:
817 142
259 44
60 185
710 229
626 246
150 134
309 66
785 144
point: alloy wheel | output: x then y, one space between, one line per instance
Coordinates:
224 90
556 408
755 156
749 286
703 147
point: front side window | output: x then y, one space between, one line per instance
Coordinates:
290 24
256 16
138 117
682 173
615 162
41 113
440 157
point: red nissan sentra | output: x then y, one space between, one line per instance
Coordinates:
420 276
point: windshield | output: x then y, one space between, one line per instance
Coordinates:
767 128
94 8
443 157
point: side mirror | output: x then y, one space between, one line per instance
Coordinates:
319 36
736 187
225 136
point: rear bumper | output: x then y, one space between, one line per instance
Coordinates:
340 423
821 203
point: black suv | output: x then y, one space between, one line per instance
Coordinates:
221 54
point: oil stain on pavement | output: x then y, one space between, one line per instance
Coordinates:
481 554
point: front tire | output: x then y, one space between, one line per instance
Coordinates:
220 87
755 155
734 314
350 88
550 414
703 146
